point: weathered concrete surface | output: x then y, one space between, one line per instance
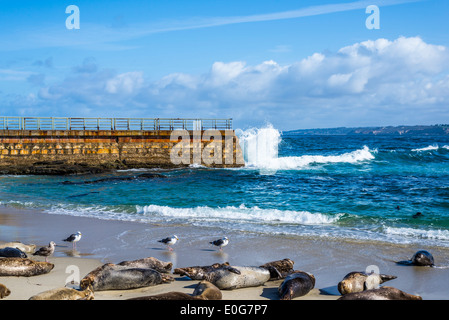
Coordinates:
79 152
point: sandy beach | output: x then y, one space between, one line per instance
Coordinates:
115 241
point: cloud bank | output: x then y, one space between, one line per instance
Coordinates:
375 82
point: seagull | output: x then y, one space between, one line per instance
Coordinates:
170 241
46 251
74 238
220 242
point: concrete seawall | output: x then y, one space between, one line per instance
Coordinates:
94 151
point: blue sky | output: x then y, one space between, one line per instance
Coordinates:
294 64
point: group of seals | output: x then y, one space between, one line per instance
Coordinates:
225 277
363 286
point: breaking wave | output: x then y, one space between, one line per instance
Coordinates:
260 150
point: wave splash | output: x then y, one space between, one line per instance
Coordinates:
260 150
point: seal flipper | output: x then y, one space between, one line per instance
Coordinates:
386 277
231 269
274 273
405 262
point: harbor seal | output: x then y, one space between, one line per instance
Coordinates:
202 272
4 291
9 252
279 269
150 262
360 281
227 277
65 293
114 277
27 248
23 267
383 293
420 258
203 291
296 284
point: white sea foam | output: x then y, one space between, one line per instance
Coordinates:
428 148
241 213
436 234
260 151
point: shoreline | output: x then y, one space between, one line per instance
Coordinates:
115 241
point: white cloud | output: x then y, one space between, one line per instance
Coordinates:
373 82
125 83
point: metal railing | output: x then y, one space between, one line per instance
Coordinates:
146 124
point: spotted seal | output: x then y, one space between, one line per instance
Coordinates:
150 262
65 293
27 248
23 267
9 252
383 293
118 277
360 281
420 258
296 284
202 272
227 277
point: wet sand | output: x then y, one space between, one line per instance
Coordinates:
115 241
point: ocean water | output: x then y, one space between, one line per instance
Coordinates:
363 188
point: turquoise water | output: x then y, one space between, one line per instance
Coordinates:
315 186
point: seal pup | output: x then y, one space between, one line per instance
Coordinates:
296 284
73 238
150 262
169 241
279 269
65 293
223 242
360 281
23 267
114 277
27 248
420 258
46 251
4 291
9 252
203 291
383 293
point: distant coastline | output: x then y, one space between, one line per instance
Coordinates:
438 129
